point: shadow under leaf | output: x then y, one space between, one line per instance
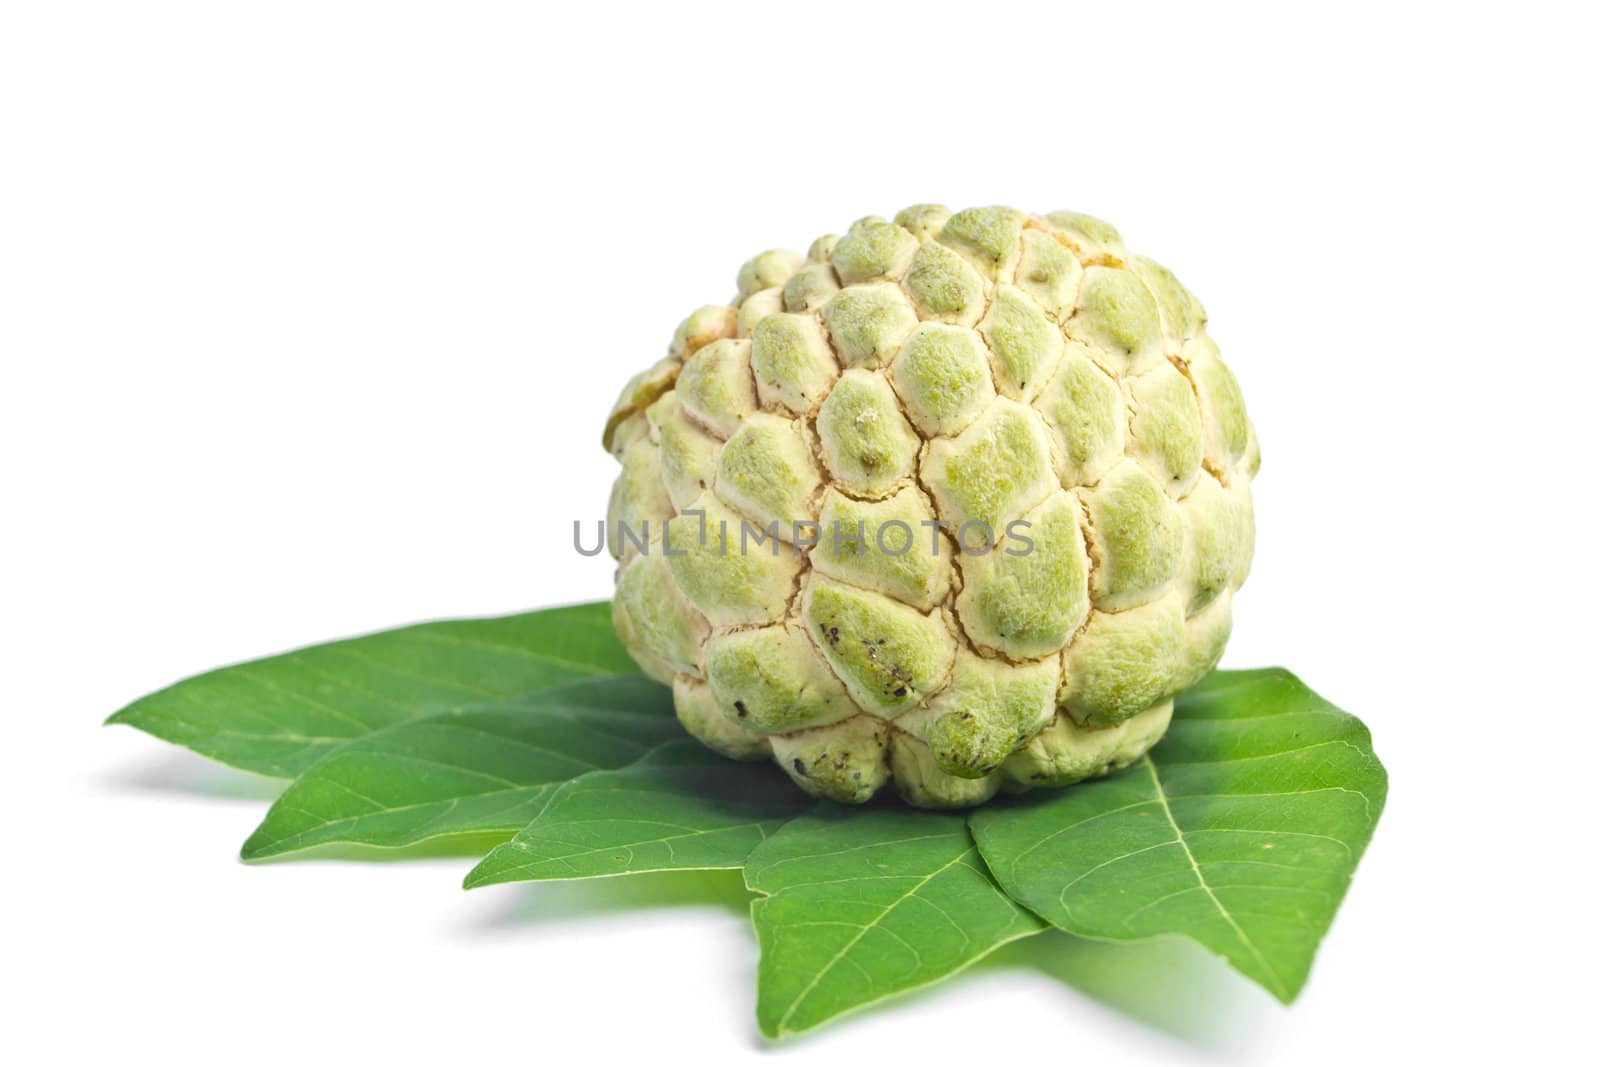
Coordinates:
1167 984
534 903
178 772
470 846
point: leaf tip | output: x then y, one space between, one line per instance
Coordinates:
255 848
1287 993
478 877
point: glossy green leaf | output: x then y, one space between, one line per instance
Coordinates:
682 807
1240 830
861 904
477 769
277 716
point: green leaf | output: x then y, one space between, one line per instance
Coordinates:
682 807
277 716
1240 830
862 904
470 770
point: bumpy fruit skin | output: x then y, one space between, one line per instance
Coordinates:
977 369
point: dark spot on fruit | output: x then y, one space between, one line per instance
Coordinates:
799 768
738 705
900 692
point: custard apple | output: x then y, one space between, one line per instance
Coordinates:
958 501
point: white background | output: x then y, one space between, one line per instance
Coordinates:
310 315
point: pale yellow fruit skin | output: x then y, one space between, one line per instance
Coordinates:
980 366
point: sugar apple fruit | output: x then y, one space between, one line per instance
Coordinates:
958 501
